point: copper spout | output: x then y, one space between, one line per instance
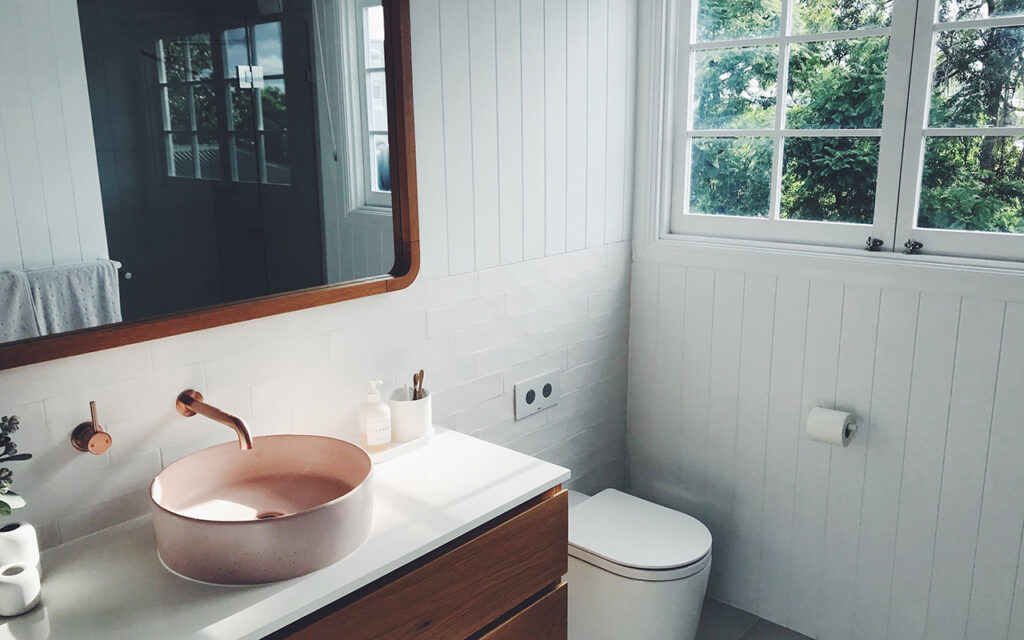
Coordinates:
190 403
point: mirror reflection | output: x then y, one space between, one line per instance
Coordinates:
241 149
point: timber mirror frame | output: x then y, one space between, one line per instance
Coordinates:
398 60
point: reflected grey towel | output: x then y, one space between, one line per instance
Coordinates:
17 320
75 296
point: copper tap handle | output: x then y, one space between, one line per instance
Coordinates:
90 436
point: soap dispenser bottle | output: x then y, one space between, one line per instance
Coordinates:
375 420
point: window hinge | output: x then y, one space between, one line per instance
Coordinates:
913 247
875 244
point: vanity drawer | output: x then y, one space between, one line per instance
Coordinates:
544 619
463 587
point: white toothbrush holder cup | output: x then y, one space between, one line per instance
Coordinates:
19 589
410 419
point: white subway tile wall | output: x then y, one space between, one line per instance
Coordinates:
475 327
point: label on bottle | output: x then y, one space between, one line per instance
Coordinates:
378 432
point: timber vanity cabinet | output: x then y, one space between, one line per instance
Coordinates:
501 581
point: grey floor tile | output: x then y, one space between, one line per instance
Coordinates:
765 630
719 621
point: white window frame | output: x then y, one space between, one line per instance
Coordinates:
371 196
663 177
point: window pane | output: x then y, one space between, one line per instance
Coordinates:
175 69
952 10
829 179
236 50
275 108
377 101
735 88
205 97
731 176
209 157
178 108
201 56
973 184
979 78
242 115
381 161
182 161
822 16
268 48
837 84
731 19
245 159
279 169
373 36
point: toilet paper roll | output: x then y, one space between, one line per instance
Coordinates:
830 426
19 589
19 544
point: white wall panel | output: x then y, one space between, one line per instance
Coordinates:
50 204
914 530
483 81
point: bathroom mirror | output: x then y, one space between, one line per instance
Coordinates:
173 165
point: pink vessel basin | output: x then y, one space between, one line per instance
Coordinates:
287 507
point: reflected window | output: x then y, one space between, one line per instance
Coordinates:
224 107
373 86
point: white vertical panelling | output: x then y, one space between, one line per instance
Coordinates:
597 109
963 471
854 381
669 381
576 126
617 128
694 389
534 146
885 436
555 113
81 147
821 362
938 323
458 134
914 530
10 244
723 397
51 139
632 17
430 149
17 119
999 534
780 446
482 65
742 587
50 205
507 27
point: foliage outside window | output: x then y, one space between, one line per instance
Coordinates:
791 116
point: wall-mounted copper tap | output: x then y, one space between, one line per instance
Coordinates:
190 402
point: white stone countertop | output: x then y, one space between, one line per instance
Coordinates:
111 585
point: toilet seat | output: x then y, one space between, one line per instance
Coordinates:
637 539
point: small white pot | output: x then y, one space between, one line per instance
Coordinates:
19 589
410 419
19 545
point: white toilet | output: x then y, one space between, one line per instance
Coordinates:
637 570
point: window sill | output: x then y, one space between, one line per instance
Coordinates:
963 276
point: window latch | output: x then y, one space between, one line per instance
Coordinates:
913 247
875 244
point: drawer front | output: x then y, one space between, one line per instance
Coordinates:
466 587
545 619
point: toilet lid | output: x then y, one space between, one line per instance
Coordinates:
632 532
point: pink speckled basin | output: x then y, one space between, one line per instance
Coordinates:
289 506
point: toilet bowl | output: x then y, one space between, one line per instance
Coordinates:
637 570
